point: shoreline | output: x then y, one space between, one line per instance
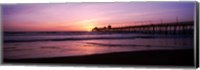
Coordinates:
181 57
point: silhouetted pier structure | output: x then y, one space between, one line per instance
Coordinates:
164 28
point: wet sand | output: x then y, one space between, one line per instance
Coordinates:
184 57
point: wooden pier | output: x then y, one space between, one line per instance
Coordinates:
164 28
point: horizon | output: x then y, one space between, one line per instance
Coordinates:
86 31
85 16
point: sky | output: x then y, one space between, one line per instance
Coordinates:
85 16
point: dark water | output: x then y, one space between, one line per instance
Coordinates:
57 44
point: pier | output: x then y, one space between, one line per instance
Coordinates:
162 28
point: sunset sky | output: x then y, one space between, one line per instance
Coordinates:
85 16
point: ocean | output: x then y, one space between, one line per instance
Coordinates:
21 45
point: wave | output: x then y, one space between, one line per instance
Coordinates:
138 45
43 33
117 45
71 39
91 38
61 33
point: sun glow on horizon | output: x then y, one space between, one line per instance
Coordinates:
88 25
89 28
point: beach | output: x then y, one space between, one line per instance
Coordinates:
181 57
151 34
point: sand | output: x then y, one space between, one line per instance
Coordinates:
184 57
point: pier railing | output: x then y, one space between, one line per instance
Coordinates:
165 28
